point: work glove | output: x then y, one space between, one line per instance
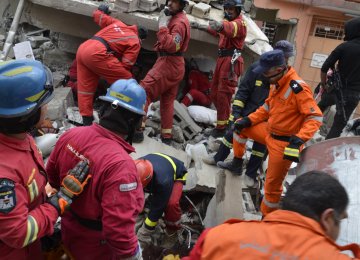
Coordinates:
216 26
163 19
104 8
144 235
72 186
198 26
241 123
292 151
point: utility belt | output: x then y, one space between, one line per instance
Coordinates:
88 223
226 52
164 53
105 43
281 137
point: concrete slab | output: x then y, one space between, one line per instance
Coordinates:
148 5
150 145
201 10
57 106
183 119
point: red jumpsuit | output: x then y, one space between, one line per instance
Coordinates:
224 81
93 60
164 77
199 89
112 199
72 73
24 217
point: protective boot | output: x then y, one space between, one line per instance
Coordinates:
222 153
170 239
217 132
166 141
235 166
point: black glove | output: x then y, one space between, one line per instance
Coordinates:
292 151
241 123
233 117
87 120
71 186
104 8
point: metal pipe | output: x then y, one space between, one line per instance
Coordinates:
202 222
12 32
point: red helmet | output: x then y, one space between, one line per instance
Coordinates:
145 171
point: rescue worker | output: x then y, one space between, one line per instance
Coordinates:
232 33
101 224
169 69
110 54
25 213
306 227
253 90
162 176
347 55
288 119
198 89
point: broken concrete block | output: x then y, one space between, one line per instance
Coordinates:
227 202
150 145
126 5
201 10
189 7
206 1
155 125
37 41
148 5
177 134
183 119
62 100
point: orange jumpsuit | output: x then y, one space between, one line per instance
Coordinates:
225 81
164 77
281 235
93 60
289 110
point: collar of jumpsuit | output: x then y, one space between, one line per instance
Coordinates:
17 144
281 83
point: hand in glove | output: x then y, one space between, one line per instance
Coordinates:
233 117
144 235
292 151
241 123
71 186
104 8
216 26
198 26
163 19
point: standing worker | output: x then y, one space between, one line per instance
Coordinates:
101 223
253 90
306 227
288 119
164 77
229 65
110 55
347 55
163 176
25 217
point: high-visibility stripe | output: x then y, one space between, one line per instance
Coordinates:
266 107
100 20
86 93
35 97
257 153
235 29
231 118
238 139
238 103
123 38
271 204
300 81
287 93
221 122
258 83
120 96
291 152
32 231
18 71
150 223
33 190
170 160
316 118
190 97
226 143
166 131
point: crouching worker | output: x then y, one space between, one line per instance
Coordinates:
26 215
163 177
306 227
101 223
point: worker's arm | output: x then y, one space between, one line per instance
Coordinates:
261 114
130 55
313 116
212 32
234 29
172 41
104 20
121 202
20 226
330 62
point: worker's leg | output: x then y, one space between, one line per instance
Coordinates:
173 210
327 100
256 159
225 91
275 175
197 97
225 147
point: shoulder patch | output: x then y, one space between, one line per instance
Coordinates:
295 86
7 196
128 186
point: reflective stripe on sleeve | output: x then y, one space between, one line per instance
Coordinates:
235 29
291 152
266 107
287 93
316 118
238 103
150 223
32 231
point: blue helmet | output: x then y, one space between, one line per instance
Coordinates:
25 85
236 3
128 94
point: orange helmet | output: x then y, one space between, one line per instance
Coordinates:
145 171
